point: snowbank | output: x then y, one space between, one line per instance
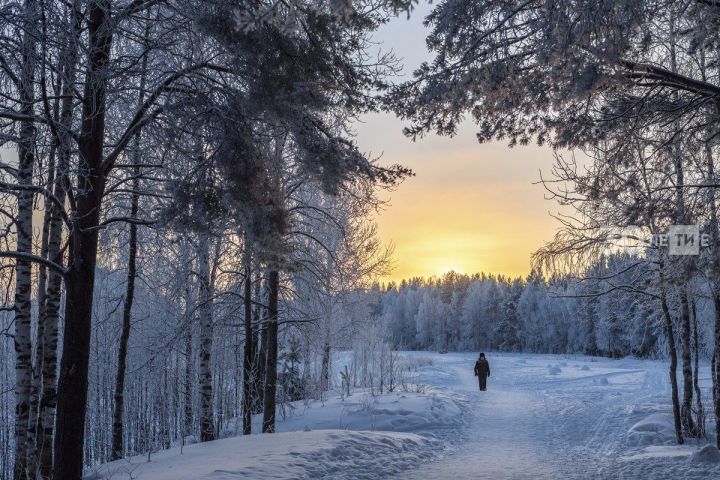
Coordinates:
425 411
655 429
333 454
659 452
707 454
364 436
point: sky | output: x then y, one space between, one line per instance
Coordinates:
471 207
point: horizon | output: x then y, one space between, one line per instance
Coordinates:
385 285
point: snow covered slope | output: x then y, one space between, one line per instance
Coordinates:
543 417
318 454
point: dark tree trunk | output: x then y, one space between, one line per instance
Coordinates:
716 368
325 370
205 308
73 380
272 351
188 381
670 335
80 278
715 269
700 411
686 411
249 354
119 397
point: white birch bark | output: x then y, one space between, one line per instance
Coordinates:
23 268
51 310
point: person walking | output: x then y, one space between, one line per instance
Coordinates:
482 371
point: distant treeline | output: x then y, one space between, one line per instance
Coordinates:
536 314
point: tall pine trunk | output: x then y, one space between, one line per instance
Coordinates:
116 451
700 411
187 325
119 396
716 368
188 383
73 380
686 411
80 278
272 352
249 353
715 269
207 428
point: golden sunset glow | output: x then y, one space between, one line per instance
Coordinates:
470 207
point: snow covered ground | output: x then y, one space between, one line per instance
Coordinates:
543 417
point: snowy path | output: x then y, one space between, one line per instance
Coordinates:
502 437
536 422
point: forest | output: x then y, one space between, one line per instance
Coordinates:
478 312
188 229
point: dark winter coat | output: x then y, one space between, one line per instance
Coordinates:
482 368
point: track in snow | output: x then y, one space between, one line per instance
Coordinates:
532 424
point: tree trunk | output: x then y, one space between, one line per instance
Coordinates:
207 429
23 268
35 435
686 411
220 388
188 407
715 278
117 433
716 367
700 411
713 377
73 380
80 278
680 218
249 353
272 351
325 369
673 356
119 397
261 355
34 419
51 312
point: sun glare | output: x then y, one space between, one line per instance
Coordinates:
450 267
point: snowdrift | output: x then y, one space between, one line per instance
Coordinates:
425 411
655 429
303 455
